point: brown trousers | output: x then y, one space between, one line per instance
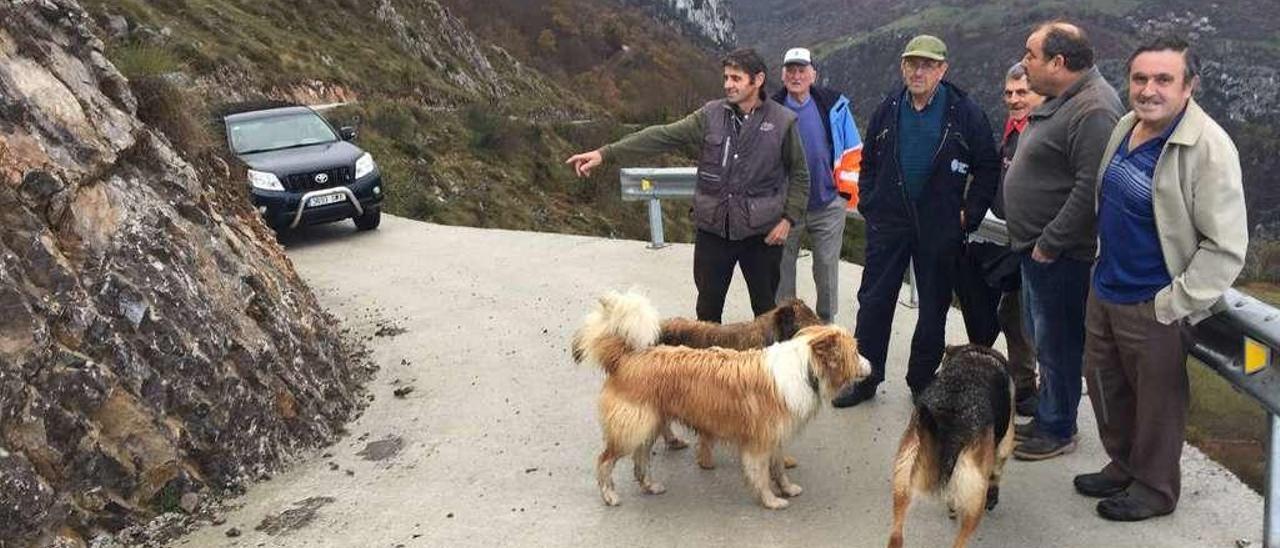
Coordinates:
1136 371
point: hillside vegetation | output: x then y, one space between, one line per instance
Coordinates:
468 107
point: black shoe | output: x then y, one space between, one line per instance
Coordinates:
1123 507
1026 407
1025 431
860 392
1099 485
1042 447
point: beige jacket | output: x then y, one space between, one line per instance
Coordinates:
1198 197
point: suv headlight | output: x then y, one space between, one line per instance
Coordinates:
264 180
365 165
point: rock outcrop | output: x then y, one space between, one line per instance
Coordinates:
154 340
711 20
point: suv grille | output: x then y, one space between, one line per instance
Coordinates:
303 182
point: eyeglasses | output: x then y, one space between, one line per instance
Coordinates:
927 65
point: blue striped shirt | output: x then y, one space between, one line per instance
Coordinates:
1131 265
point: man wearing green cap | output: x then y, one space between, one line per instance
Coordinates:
929 173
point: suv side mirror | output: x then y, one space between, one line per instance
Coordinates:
347 133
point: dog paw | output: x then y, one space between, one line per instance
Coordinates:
676 444
792 490
993 497
706 464
775 503
789 462
654 488
610 498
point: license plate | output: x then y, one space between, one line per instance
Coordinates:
326 200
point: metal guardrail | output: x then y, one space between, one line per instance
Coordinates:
1241 342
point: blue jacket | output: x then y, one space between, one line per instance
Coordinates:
842 135
967 151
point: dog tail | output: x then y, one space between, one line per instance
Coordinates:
951 437
621 324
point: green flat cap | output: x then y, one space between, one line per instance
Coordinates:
929 47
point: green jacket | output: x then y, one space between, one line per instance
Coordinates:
692 129
1197 195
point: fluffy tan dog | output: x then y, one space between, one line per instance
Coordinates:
777 325
757 399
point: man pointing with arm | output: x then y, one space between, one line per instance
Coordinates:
753 185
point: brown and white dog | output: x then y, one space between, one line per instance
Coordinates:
958 440
777 325
758 399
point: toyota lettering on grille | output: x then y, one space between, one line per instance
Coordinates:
322 178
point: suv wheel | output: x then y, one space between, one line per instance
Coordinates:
370 219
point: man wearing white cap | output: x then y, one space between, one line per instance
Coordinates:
833 152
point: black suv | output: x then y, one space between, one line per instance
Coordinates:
302 171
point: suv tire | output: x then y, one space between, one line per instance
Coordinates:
370 220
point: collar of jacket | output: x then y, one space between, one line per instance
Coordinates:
1050 106
1186 134
954 92
826 99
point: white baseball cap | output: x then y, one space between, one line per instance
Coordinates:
797 56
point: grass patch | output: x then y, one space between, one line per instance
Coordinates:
140 60
1227 425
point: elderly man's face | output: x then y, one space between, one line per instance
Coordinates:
798 78
921 75
1158 86
1019 98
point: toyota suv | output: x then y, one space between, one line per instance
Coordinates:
302 172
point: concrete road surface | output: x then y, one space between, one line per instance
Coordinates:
495 444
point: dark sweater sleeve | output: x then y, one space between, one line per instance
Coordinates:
1087 141
657 139
798 172
985 166
870 162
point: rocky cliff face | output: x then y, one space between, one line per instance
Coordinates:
710 19
154 341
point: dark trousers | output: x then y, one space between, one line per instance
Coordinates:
887 257
1053 301
988 311
1136 370
713 261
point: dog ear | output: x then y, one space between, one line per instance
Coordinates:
784 323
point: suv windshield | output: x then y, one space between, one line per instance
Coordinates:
277 132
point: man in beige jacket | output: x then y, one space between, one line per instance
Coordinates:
1171 239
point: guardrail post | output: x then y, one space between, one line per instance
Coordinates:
655 224
1271 523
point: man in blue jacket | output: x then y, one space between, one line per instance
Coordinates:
833 152
928 142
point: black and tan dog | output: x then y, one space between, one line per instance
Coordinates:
959 438
777 325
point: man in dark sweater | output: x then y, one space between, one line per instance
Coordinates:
752 187
989 281
927 142
1049 196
